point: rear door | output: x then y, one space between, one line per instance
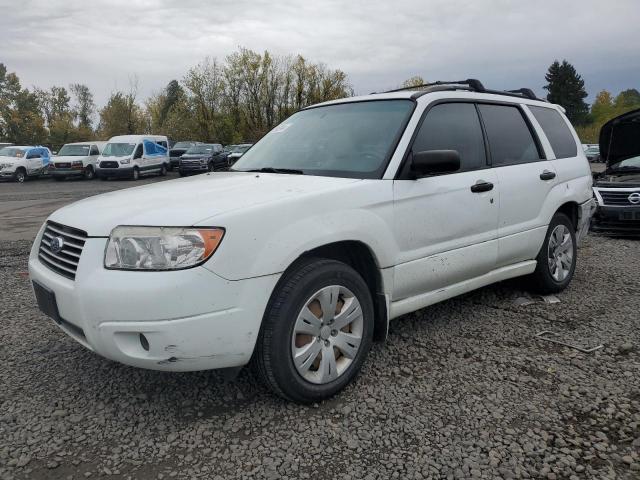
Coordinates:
445 227
34 161
526 177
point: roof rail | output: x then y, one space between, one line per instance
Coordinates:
471 84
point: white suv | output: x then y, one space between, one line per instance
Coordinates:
347 215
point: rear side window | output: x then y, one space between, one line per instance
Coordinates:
94 150
510 139
557 131
453 126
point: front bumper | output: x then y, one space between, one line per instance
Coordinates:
617 220
192 319
120 172
193 167
65 172
174 161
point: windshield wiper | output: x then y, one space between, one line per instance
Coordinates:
291 171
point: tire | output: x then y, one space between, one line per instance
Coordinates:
136 173
59 179
163 170
21 175
89 173
314 379
210 167
104 179
556 264
182 174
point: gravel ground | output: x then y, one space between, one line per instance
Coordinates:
460 390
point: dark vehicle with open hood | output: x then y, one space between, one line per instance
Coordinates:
200 158
179 149
617 189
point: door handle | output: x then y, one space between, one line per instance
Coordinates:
547 175
481 186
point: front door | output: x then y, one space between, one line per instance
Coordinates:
446 225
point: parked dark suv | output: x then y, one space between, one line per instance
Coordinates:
617 189
200 158
178 150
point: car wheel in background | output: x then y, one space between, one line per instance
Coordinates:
316 332
21 175
89 173
557 257
210 167
136 173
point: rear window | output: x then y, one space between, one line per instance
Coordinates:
510 140
557 131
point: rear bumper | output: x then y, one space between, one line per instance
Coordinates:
189 319
585 213
616 220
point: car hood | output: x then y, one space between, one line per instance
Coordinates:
5 159
620 138
188 201
67 158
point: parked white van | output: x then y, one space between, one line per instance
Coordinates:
131 156
75 160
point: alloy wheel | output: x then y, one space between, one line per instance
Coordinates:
327 334
560 253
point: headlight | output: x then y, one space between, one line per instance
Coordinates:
125 161
160 248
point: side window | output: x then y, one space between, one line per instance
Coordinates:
510 139
138 152
556 130
163 143
453 126
94 150
34 153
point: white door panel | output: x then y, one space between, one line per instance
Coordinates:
522 198
445 232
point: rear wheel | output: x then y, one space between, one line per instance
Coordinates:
317 331
21 175
557 257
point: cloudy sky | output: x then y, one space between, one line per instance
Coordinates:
506 44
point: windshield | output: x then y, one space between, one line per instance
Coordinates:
630 163
353 140
118 149
183 145
11 152
74 151
199 149
242 148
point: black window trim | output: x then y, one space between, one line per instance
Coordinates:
564 121
404 173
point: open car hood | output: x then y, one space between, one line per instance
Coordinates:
620 138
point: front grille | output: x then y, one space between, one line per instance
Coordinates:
108 164
612 197
62 165
65 261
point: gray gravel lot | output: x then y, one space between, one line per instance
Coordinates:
460 390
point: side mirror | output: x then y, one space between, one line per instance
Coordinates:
431 162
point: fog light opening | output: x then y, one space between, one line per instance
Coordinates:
144 342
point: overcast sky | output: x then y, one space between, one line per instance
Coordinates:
506 44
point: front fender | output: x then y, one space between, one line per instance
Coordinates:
266 239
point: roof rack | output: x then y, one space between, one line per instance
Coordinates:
470 84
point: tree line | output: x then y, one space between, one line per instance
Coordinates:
234 100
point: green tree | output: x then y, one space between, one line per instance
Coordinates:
627 100
9 90
84 107
23 122
121 115
566 88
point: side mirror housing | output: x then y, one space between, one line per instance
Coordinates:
432 162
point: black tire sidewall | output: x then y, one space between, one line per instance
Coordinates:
135 174
88 173
283 312
19 172
548 283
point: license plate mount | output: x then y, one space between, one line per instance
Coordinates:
47 301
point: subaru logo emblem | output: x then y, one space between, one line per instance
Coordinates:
56 244
634 198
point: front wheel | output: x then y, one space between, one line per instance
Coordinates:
136 173
21 175
163 170
88 173
557 257
316 332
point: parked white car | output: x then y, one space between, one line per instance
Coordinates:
347 215
131 156
76 160
20 162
